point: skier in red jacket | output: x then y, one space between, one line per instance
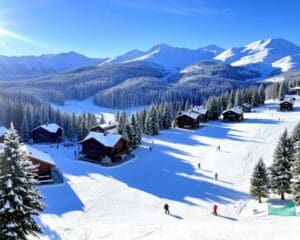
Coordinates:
215 210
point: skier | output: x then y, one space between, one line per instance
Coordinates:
215 210
150 148
199 166
216 176
166 207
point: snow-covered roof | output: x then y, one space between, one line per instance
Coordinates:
248 105
190 114
287 101
108 140
236 110
34 153
3 130
37 154
200 110
50 127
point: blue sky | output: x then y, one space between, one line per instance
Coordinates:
102 28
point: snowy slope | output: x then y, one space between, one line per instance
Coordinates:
168 56
263 53
125 202
35 66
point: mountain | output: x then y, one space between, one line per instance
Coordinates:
36 66
169 57
264 55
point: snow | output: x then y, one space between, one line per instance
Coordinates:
237 110
37 154
88 106
34 153
126 201
108 140
190 114
264 55
3 130
200 110
50 127
167 56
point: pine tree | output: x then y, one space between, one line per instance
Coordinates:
259 181
102 120
296 177
238 98
20 200
282 91
280 170
121 126
151 122
25 132
135 131
213 108
167 117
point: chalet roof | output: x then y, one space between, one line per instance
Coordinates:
248 105
35 153
189 114
108 140
236 110
291 101
3 130
200 110
50 127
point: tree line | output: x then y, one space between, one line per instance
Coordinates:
283 176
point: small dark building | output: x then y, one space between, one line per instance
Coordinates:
50 132
187 120
286 105
295 90
233 114
101 128
202 112
3 131
97 146
246 107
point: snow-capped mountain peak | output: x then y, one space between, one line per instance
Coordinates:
262 53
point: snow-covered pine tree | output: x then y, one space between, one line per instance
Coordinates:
280 170
296 177
238 98
121 126
151 122
261 94
212 106
259 181
25 132
20 200
167 117
102 120
282 91
136 131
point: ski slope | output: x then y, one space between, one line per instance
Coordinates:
126 202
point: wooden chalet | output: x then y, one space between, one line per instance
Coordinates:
42 160
187 120
233 114
295 90
3 131
106 127
286 105
246 107
202 112
50 132
97 146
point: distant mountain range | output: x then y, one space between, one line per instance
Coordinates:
268 57
36 66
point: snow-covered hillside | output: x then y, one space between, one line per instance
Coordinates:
277 53
35 66
169 57
126 201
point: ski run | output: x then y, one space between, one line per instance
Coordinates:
126 201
